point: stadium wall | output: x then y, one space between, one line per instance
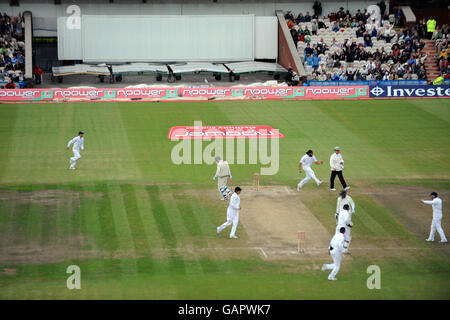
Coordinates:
45 12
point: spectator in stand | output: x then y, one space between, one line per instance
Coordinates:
317 7
10 85
289 16
300 18
359 16
431 26
335 27
307 17
315 60
367 40
37 73
332 17
355 23
314 27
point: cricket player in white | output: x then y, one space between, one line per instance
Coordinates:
336 249
344 221
223 173
337 165
436 203
342 200
78 143
305 162
232 214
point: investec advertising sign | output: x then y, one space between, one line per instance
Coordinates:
223 132
383 91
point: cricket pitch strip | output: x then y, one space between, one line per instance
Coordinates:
272 217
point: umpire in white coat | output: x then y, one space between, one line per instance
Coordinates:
232 214
436 203
337 165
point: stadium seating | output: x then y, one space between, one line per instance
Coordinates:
337 39
12 47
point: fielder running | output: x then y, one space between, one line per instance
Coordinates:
232 214
78 143
223 172
344 221
336 249
436 203
305 162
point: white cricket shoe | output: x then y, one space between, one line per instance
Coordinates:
320 182
332 279
71 168
324 267
332 189
218 231
298 187
443 241
346 188
429 240
234 237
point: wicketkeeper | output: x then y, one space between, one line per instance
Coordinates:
222 174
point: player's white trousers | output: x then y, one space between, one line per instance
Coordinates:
336 265
347 236
309 175
232 219
74 159
436 225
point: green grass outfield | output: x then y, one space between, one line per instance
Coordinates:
128 216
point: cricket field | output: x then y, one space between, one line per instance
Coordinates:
141 227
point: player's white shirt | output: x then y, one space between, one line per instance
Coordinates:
78 143
307 161
436 204
343 219
223 169
337 242
335 162
347 200
235 202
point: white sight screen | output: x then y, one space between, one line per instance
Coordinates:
160 38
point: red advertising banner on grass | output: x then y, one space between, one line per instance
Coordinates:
224 132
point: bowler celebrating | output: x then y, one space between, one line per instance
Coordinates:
78 143
436 203
232 214
305 162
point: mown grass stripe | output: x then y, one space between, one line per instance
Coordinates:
176 263
108 234
144 264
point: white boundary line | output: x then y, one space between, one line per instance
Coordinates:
264 254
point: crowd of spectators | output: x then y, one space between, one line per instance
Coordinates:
12 47
359 46
441 38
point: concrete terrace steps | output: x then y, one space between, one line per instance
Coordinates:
431 60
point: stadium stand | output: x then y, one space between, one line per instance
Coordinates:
441 52
346 47
12 60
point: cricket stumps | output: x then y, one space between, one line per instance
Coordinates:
256 181
301 244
